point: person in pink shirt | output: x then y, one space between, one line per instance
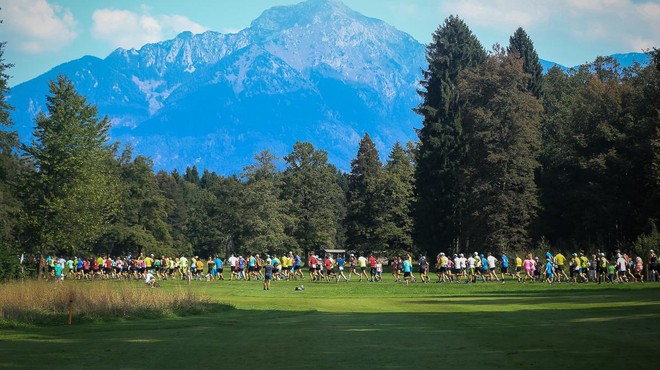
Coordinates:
528 265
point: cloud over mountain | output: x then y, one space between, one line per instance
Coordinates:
37 26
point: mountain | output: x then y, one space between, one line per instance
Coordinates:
625 61
315 71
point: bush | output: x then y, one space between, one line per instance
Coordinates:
647 242
10 267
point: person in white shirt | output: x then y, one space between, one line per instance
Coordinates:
470 269
150 280
621 268
232 265
491 267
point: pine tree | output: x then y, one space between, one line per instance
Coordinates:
442 148
501 121
74 192
399 196
10 170
365 214
520 44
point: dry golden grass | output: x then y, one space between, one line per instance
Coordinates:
41 302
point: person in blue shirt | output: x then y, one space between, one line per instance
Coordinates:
504 267
549 271
407 270
57 271
484 265
241 268
252 267
268 274
340 265
218 268
79 267
297 268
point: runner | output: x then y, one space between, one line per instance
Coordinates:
504 267
653 266
297 268
560 260
233 264
340 266
329 272
519 264
362 263
372 267
492 261
395 266
549 271
407 271
423 269
471 263
268 274
621 268
219 268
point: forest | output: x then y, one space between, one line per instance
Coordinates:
508 159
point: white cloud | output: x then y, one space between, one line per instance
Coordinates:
622 24
128 29
36 26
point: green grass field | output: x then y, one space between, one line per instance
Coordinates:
367 325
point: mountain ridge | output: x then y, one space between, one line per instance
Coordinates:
315 71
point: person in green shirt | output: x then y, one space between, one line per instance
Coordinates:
610 270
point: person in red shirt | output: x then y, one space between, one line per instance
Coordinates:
372 266
312 267
329 273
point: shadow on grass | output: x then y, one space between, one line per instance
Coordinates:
612 337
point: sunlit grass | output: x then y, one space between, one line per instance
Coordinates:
481 326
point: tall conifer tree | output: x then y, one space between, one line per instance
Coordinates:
442 148
399 192
522 45
75 190
365 201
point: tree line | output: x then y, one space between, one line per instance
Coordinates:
507 159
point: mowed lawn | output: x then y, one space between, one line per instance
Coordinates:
367 325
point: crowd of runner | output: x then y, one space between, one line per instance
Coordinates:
456 268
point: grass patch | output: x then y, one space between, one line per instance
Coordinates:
47 303
383 325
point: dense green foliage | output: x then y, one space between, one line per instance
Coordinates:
74 192
10 172
442 147
501 122
506 157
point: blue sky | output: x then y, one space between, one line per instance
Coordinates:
44 33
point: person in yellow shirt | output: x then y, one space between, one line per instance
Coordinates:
148 262
584 267
285 265
519 263
199 268
560 259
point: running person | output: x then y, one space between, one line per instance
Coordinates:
340 266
